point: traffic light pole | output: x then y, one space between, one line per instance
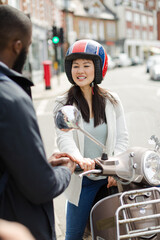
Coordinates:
56 62
55 51
62 55
58 40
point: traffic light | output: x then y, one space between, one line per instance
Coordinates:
61 35
55 37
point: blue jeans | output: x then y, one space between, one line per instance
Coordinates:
77 217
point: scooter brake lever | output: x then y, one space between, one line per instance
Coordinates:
93 171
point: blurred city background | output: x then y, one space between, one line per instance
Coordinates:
129 30
131 27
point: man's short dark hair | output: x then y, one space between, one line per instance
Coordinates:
14 24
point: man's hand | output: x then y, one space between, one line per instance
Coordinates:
111 182
14 231
63 159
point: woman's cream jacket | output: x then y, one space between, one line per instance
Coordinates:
72 142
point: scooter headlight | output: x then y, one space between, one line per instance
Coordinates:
152 168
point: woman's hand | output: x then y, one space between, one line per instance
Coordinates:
87 164
111 182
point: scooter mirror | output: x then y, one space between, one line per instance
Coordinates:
67 118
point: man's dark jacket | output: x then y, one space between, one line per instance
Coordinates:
32 183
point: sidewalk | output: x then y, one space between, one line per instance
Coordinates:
59 85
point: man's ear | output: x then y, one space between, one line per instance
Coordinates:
17 46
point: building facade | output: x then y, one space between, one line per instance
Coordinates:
41 13
84 19
137 27
130 26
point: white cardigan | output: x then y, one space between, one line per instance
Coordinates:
72 142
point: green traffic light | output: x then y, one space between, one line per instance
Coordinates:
55 39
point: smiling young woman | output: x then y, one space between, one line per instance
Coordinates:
102 113
83 72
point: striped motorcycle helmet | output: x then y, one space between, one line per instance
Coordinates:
87 49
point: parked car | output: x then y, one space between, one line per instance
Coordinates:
155 72
136 60
111 63
152 60
122 60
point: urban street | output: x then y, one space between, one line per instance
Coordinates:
56 43
141 101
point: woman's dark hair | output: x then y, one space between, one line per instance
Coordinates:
75 96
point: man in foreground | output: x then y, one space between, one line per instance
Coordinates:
28 183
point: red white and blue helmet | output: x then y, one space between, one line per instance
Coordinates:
87 49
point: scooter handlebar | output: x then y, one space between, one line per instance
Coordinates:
80 171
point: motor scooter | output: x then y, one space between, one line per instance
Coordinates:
134 212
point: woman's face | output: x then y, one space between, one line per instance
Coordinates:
82 72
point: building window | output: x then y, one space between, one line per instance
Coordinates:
70 23
136 18
91 10
111 30
128 16
33 8
36 62
81 28
129 33
94 30
117 2
137 34
141 6
39 12
150 21
151 3
126 2
144 35
144 20
86 28
14 3
133 4
94 10
150 35
101 31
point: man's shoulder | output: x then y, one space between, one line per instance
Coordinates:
12 96
10 88
9 74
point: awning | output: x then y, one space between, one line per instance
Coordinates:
154 50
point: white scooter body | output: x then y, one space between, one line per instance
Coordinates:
133 213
